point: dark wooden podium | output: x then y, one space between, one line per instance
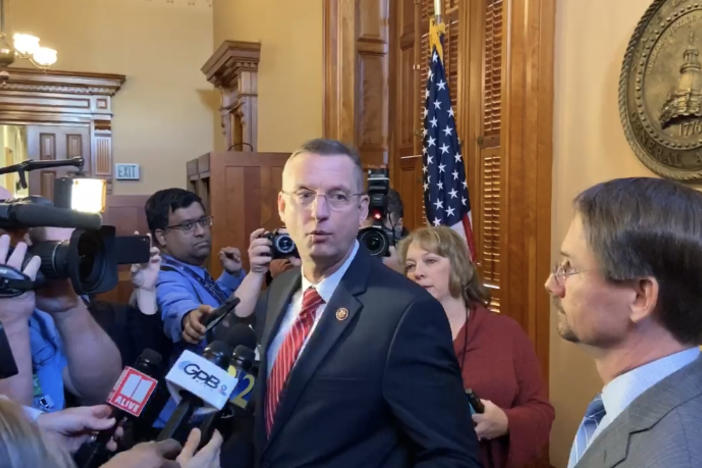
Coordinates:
240 190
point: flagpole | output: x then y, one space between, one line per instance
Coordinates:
437 11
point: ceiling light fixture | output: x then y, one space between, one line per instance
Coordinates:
24 46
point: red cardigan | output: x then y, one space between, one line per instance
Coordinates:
500 365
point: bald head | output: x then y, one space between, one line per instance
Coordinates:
326 147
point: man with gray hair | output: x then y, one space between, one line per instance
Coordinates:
628 289
357 364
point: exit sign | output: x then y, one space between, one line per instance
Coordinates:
127 171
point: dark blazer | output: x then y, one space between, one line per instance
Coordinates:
660 428
379 388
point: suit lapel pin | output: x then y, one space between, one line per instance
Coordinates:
342 313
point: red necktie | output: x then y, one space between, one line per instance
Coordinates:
288 352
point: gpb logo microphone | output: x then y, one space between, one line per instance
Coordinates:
193 370
201 378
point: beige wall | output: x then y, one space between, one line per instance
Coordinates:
589 147
163 113
290 71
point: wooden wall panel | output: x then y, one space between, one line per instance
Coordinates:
356 96
47 146
372 109
242 196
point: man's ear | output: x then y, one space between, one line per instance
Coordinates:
363 201
160 238
281 207
647 292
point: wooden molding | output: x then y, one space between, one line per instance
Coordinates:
527 127
63 82
233 69
75 107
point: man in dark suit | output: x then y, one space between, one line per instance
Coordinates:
628 291
357 363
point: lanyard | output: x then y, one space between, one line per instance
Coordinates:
208 283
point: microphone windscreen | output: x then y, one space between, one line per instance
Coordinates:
237 334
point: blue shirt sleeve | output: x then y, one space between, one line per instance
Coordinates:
175 297
229 282
48 362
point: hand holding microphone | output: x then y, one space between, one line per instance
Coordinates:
71 427
129 396
168 454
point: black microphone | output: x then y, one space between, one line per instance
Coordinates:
129 396
35 215
240 367
217 353
189 368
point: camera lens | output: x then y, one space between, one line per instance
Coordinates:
284 244
375 240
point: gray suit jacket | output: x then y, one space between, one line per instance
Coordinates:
660 428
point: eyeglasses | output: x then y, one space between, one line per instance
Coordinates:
563 270
189 226
337 199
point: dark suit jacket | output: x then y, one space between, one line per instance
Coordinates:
660 428
380 388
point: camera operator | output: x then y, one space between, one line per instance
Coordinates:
393 226
394 221
55 341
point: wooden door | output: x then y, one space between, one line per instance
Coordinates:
405 111
243 194
56 142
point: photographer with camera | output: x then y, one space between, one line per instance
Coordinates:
55 341
185 291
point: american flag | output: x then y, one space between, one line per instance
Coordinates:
445 188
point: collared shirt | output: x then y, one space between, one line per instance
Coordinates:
178 291
618 394
325 289
48 362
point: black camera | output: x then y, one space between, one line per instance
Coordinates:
375 237
283 245
89 258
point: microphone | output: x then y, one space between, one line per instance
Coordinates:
195 380
240 366
33 215
129 396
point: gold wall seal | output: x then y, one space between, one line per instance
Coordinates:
660 89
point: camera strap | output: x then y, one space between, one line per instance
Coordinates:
208 282
13 282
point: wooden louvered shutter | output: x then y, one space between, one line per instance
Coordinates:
488 200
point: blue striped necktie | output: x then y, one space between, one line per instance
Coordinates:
593 415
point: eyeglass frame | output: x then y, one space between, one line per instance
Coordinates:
559 274
208 219
325 195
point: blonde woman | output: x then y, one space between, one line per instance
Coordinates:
22 444
497 359
47 443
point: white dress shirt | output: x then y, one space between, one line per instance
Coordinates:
325 289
